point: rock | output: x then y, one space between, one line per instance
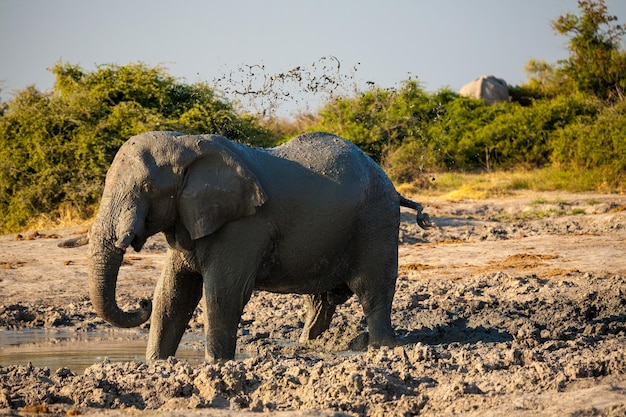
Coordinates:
488 88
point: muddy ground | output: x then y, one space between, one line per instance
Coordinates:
514 306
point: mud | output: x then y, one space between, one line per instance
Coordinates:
515 306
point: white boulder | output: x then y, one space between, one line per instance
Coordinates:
489 88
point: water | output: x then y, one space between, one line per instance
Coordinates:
77 351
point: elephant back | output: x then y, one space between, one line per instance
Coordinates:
323 153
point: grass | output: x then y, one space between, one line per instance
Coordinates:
539 202
463 186
66 216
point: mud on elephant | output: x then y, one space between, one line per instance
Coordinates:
313 216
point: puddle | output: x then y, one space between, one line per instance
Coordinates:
77 351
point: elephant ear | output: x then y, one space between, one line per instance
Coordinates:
218 188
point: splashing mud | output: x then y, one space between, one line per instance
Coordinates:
301 88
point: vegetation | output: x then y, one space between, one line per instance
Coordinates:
563 129
56 147
569 116
596 64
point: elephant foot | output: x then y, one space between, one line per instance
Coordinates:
362 341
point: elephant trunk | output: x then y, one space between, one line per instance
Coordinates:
105 261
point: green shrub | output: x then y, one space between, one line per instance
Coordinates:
593 144
380 120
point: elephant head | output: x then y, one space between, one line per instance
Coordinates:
184 186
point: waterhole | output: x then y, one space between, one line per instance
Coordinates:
77 351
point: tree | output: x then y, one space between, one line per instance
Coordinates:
596 63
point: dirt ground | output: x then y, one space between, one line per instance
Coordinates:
514 306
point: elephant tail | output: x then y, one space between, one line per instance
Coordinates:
423 220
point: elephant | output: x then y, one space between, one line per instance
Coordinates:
313 216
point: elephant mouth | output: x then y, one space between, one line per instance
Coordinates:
134 236
131 239
138 242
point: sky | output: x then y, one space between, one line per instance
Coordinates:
441 43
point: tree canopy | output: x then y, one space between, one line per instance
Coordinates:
596 63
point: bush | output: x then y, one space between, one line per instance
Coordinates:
598 145
56 147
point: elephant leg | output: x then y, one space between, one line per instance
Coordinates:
318 316
376 302
175 299
230 267
374 284
320 310
224 306
229 280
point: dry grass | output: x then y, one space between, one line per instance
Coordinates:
463 186
67 216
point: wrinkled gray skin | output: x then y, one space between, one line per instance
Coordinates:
314 216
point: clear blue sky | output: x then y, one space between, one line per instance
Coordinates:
441 42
